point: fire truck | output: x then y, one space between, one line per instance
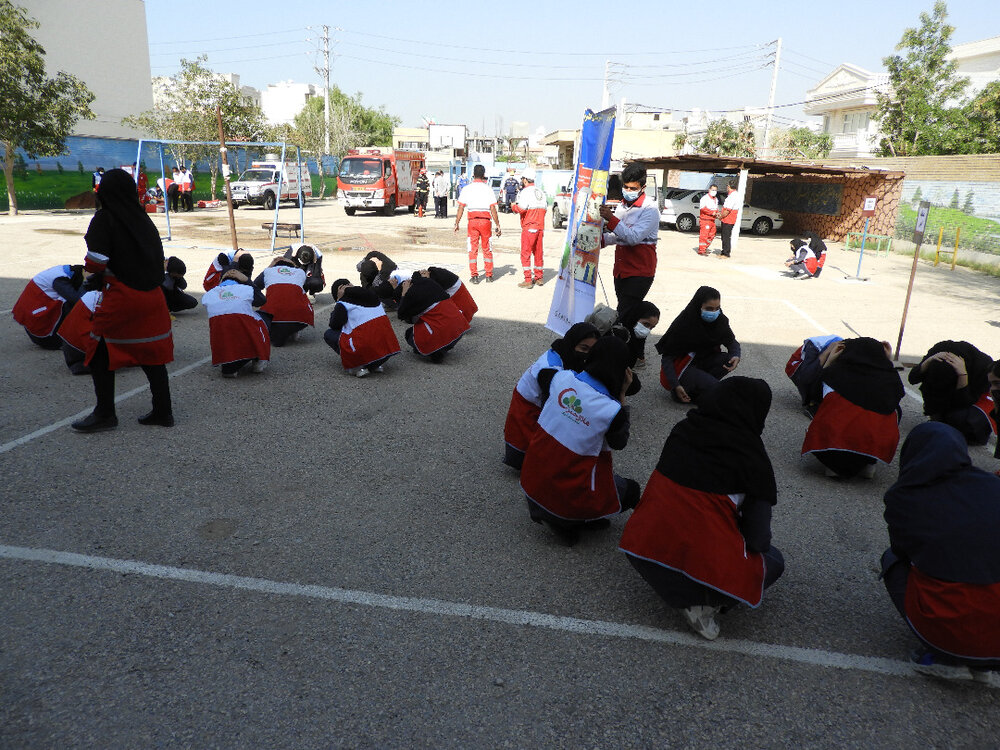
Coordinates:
259 185
379 179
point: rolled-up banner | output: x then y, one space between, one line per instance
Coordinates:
575 287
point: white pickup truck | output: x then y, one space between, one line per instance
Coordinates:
562 200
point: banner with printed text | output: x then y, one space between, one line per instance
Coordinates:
575 287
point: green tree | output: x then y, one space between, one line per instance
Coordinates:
918 115
969 206
186 112
801 143
954 199
917 196
722 138
983 117
37 113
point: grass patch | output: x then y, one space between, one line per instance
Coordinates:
976 233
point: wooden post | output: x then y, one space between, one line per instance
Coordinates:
954 255
225 177
918 238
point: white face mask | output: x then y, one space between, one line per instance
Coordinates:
641 331
630 195
713 192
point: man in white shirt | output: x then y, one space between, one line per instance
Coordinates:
727 214
477 197
440 187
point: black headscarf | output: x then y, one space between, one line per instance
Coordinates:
122 230
938 383
443 276
815 243
607 362
863 374
689 333
356 295
718 446
423 293
566 346
644 309
943 513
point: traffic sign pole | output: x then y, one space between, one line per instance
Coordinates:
918 238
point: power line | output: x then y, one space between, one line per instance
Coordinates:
227 38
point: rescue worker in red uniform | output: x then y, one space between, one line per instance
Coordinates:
478 199
531 205
701 535
131 325
942 568
708 211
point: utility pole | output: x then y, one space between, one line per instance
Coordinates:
770 98
606 96
326 82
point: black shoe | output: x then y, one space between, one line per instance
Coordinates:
568 536
94 423
161 420
474 279
489 279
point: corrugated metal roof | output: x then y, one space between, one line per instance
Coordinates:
716 164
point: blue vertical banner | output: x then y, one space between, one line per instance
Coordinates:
575 288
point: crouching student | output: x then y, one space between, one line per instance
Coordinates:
360 331
699 348
805 369
857 422
46 301
75 331
803 263
240 259
309 259
954 383
701 535
174 284
374 270
568 353
239 336
942 568
455 289
287 310
567 476
437 322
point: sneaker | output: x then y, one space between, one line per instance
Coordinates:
489 279
539 282
639 364
259 366
296 336
474 279
361 372
234 374
702 621
869 471
525 285
931 665
988 677
380 368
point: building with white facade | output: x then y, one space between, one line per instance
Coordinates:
846 101
281 101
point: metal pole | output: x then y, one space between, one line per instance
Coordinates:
166 200
861 255
277 198
770 97
326 83
302 196
954 255
225 179
919 239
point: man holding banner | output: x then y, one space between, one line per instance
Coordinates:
634 229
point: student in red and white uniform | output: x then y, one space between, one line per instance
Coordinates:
531 204
567 475
701 535
805 369
857 422
478 200
803 263
239 337
187 189
46 301
708 212
240 260
131 325
699 348
75 332
568 353
942 569
438 324
287 310
455 289
954 383
309 259
360 331
633 227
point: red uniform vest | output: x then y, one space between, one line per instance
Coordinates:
985 405
135 326
962 619
526 403
843 426
39 307
463 300
286 299
439 325
567 468
366 337
75 329
235 331
695 533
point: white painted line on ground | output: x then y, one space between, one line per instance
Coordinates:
4 312
807 656
80 415
805 317
914 395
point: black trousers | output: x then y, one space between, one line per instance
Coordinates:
173 195
630 291
727 238
178 301
104 384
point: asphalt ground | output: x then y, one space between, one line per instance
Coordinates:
309 559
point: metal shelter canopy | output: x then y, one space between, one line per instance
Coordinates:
263 144
717 164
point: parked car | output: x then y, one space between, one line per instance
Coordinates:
681 210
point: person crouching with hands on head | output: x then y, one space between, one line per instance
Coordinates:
360 331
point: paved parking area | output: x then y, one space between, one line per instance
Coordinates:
312 560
